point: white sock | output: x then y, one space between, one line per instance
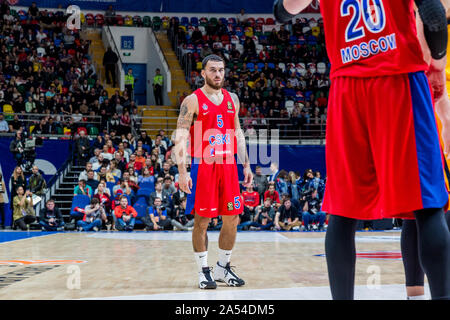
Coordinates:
224 257
202 260
422 297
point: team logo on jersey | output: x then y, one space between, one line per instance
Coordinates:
230 107
204 107
230 206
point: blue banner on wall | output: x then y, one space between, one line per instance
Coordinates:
49 158
190 6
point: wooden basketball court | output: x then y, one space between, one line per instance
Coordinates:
160 265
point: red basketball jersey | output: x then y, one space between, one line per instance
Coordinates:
212 135
370 38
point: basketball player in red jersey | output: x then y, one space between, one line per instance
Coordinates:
383 154
414 276
209 131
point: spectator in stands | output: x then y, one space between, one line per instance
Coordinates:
129 82
105 154
91 180
177 196
157 217
161 194
181 220
265 215
312 213
121 164
36 183
275 171
23 212
82 188
281 182
260 182
293 186
169 185
133 176
17 180
197 36
113 171
33 11
82 146
287 216
3 124
94 214
306 183
16 147
122 187
109 62
50 218
146 176
3 199
98 143
83 174
318 184
241 18
251 202
104 198
126 215
273 195
145 138
158 85
110 16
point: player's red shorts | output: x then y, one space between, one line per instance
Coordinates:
215 189
383 154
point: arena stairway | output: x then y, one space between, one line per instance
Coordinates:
97 51
64 192
179 84
158 117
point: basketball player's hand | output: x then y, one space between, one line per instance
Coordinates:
248 177
445 136
185 182
436 77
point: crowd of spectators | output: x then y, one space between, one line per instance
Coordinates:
134 179
48 80
282 74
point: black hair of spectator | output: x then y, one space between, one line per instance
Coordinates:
95 201
49 200
211 57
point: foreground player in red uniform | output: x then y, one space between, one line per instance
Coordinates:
414 276
383 155
209 130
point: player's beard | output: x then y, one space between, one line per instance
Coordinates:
213 85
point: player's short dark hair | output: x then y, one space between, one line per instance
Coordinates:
211 57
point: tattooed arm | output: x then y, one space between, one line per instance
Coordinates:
188 111
241 145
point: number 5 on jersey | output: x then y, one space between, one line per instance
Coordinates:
219 121
373 15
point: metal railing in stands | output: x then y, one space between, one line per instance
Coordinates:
310 130
35 118
53 184
182 58
108 40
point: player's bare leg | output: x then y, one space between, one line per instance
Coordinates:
200 244
199 234
227 239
